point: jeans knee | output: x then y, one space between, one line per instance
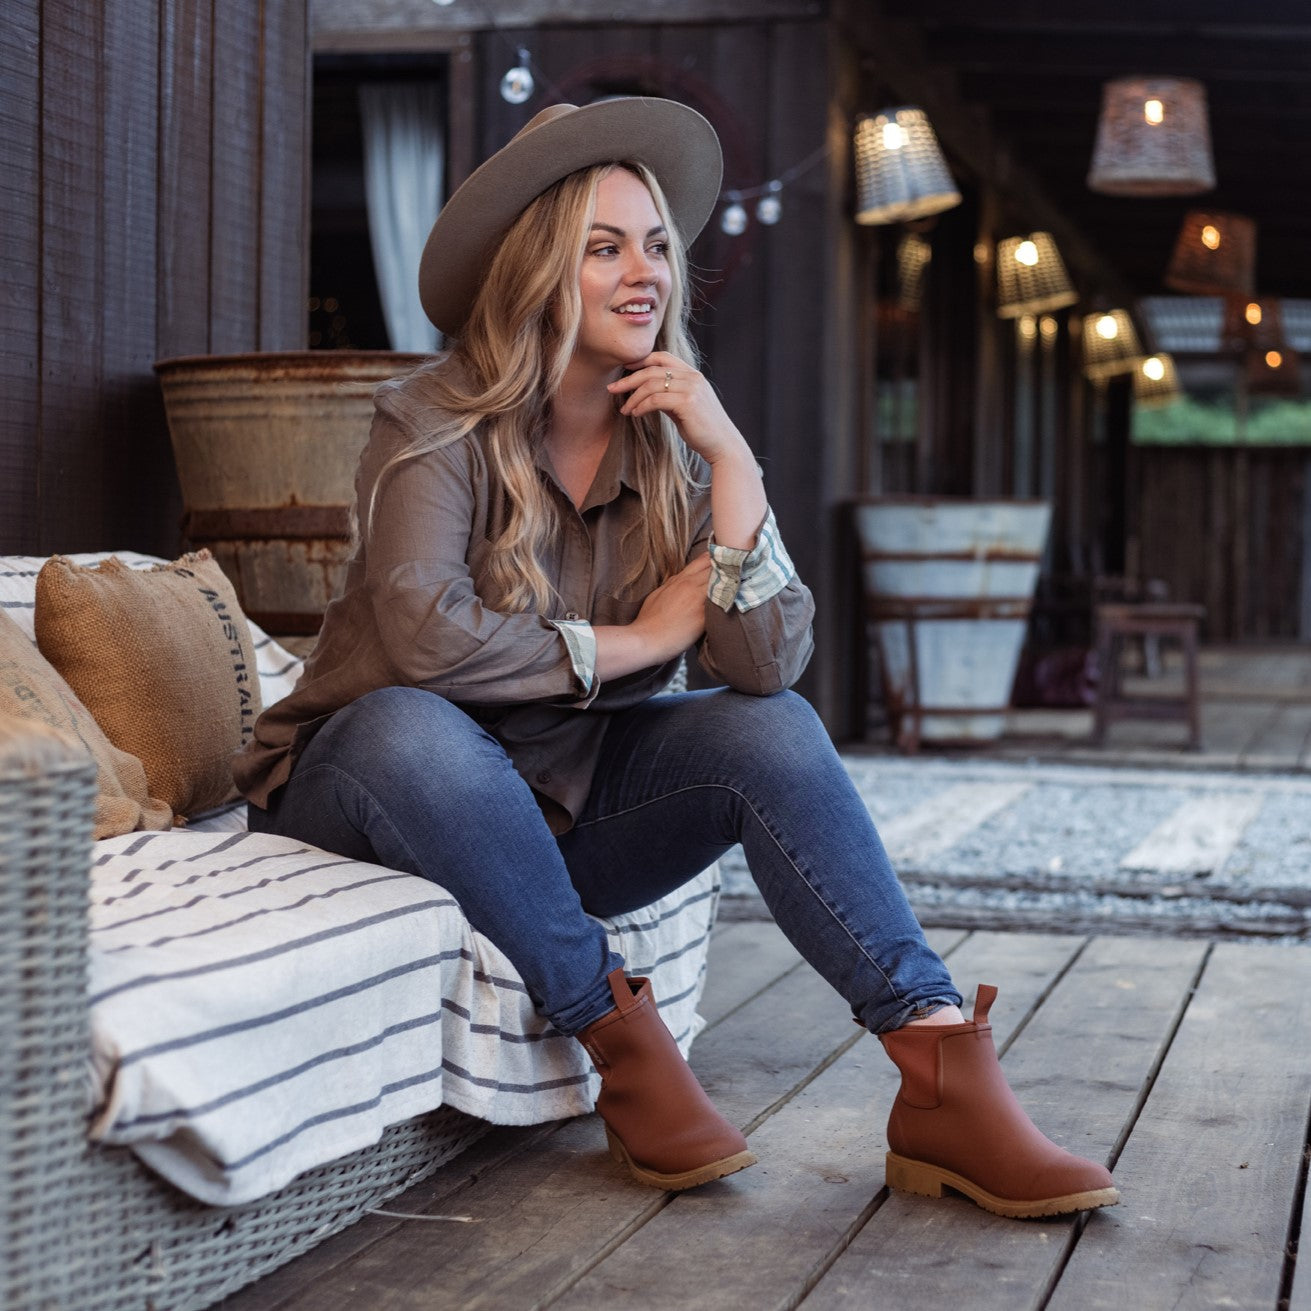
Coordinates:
784 720
400 737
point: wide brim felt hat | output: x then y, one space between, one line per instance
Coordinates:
676 143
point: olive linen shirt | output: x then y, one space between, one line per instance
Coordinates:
411 612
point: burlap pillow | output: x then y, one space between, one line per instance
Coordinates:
164 660
31 689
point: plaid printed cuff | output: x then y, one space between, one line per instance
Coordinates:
581 641
746 579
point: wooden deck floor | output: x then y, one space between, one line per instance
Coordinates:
1185 1064
1255 711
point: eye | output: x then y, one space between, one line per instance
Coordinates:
608 249
660 248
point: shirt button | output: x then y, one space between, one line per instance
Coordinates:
544 776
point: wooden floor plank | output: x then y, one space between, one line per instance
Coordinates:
821 1168
559 1205
1077 1068
744 957
1300 1294
1209 1173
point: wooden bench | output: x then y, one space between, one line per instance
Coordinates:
1119 624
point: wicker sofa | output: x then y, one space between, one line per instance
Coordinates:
87 1225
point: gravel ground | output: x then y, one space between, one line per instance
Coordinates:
1052 858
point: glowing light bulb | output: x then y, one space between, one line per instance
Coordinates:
1028 327
1107 328
1154 111
733 220
1274 359
1026 253
981 252
894 136
1252 313
517 84
1048 327
769 209
1154 368
1211 237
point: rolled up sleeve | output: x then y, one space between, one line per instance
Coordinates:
435 629
747 579
580 638
758 615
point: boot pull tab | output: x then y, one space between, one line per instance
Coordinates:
623 989
983 1000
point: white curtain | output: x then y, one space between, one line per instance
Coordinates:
404 156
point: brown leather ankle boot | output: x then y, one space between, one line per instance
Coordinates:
956 1124
658 1119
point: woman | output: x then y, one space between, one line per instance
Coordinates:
549 517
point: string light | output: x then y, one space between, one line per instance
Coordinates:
517 84
770 208
733 217
733 220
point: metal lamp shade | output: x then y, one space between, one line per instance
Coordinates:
900 172
1155 381
1214 255
1153 139
1110 344
1274 372
1031 278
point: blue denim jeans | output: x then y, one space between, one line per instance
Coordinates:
404 778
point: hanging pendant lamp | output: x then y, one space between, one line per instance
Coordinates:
1153 139
1252 323
1274 372
900 171
1031 277
1110 344
1155 381
1214 255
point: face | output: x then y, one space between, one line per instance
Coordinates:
625 278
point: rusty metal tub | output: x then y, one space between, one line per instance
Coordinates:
949 585
266 446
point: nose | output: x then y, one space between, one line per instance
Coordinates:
641 267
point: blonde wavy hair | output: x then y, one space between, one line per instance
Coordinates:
515 349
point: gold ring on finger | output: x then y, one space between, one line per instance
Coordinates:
669 377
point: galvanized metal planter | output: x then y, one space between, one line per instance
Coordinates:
266 446
949 586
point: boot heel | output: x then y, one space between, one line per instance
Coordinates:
913 1177
616 1147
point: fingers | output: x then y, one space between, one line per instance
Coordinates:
660 382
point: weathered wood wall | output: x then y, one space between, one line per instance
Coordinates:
1228 527
153 195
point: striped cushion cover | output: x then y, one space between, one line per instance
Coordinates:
260 1007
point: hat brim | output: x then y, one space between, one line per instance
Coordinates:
676 143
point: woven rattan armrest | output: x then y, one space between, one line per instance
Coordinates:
47 795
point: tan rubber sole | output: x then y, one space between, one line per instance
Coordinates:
932 1181
675 1183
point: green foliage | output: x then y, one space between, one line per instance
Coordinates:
1188 421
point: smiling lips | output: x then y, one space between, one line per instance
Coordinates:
636 309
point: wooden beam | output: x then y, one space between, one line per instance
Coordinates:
1164 14
333 20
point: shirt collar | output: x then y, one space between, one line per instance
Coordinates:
618 467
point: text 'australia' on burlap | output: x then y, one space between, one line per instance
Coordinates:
163 659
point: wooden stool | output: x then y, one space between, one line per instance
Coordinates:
1118 623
